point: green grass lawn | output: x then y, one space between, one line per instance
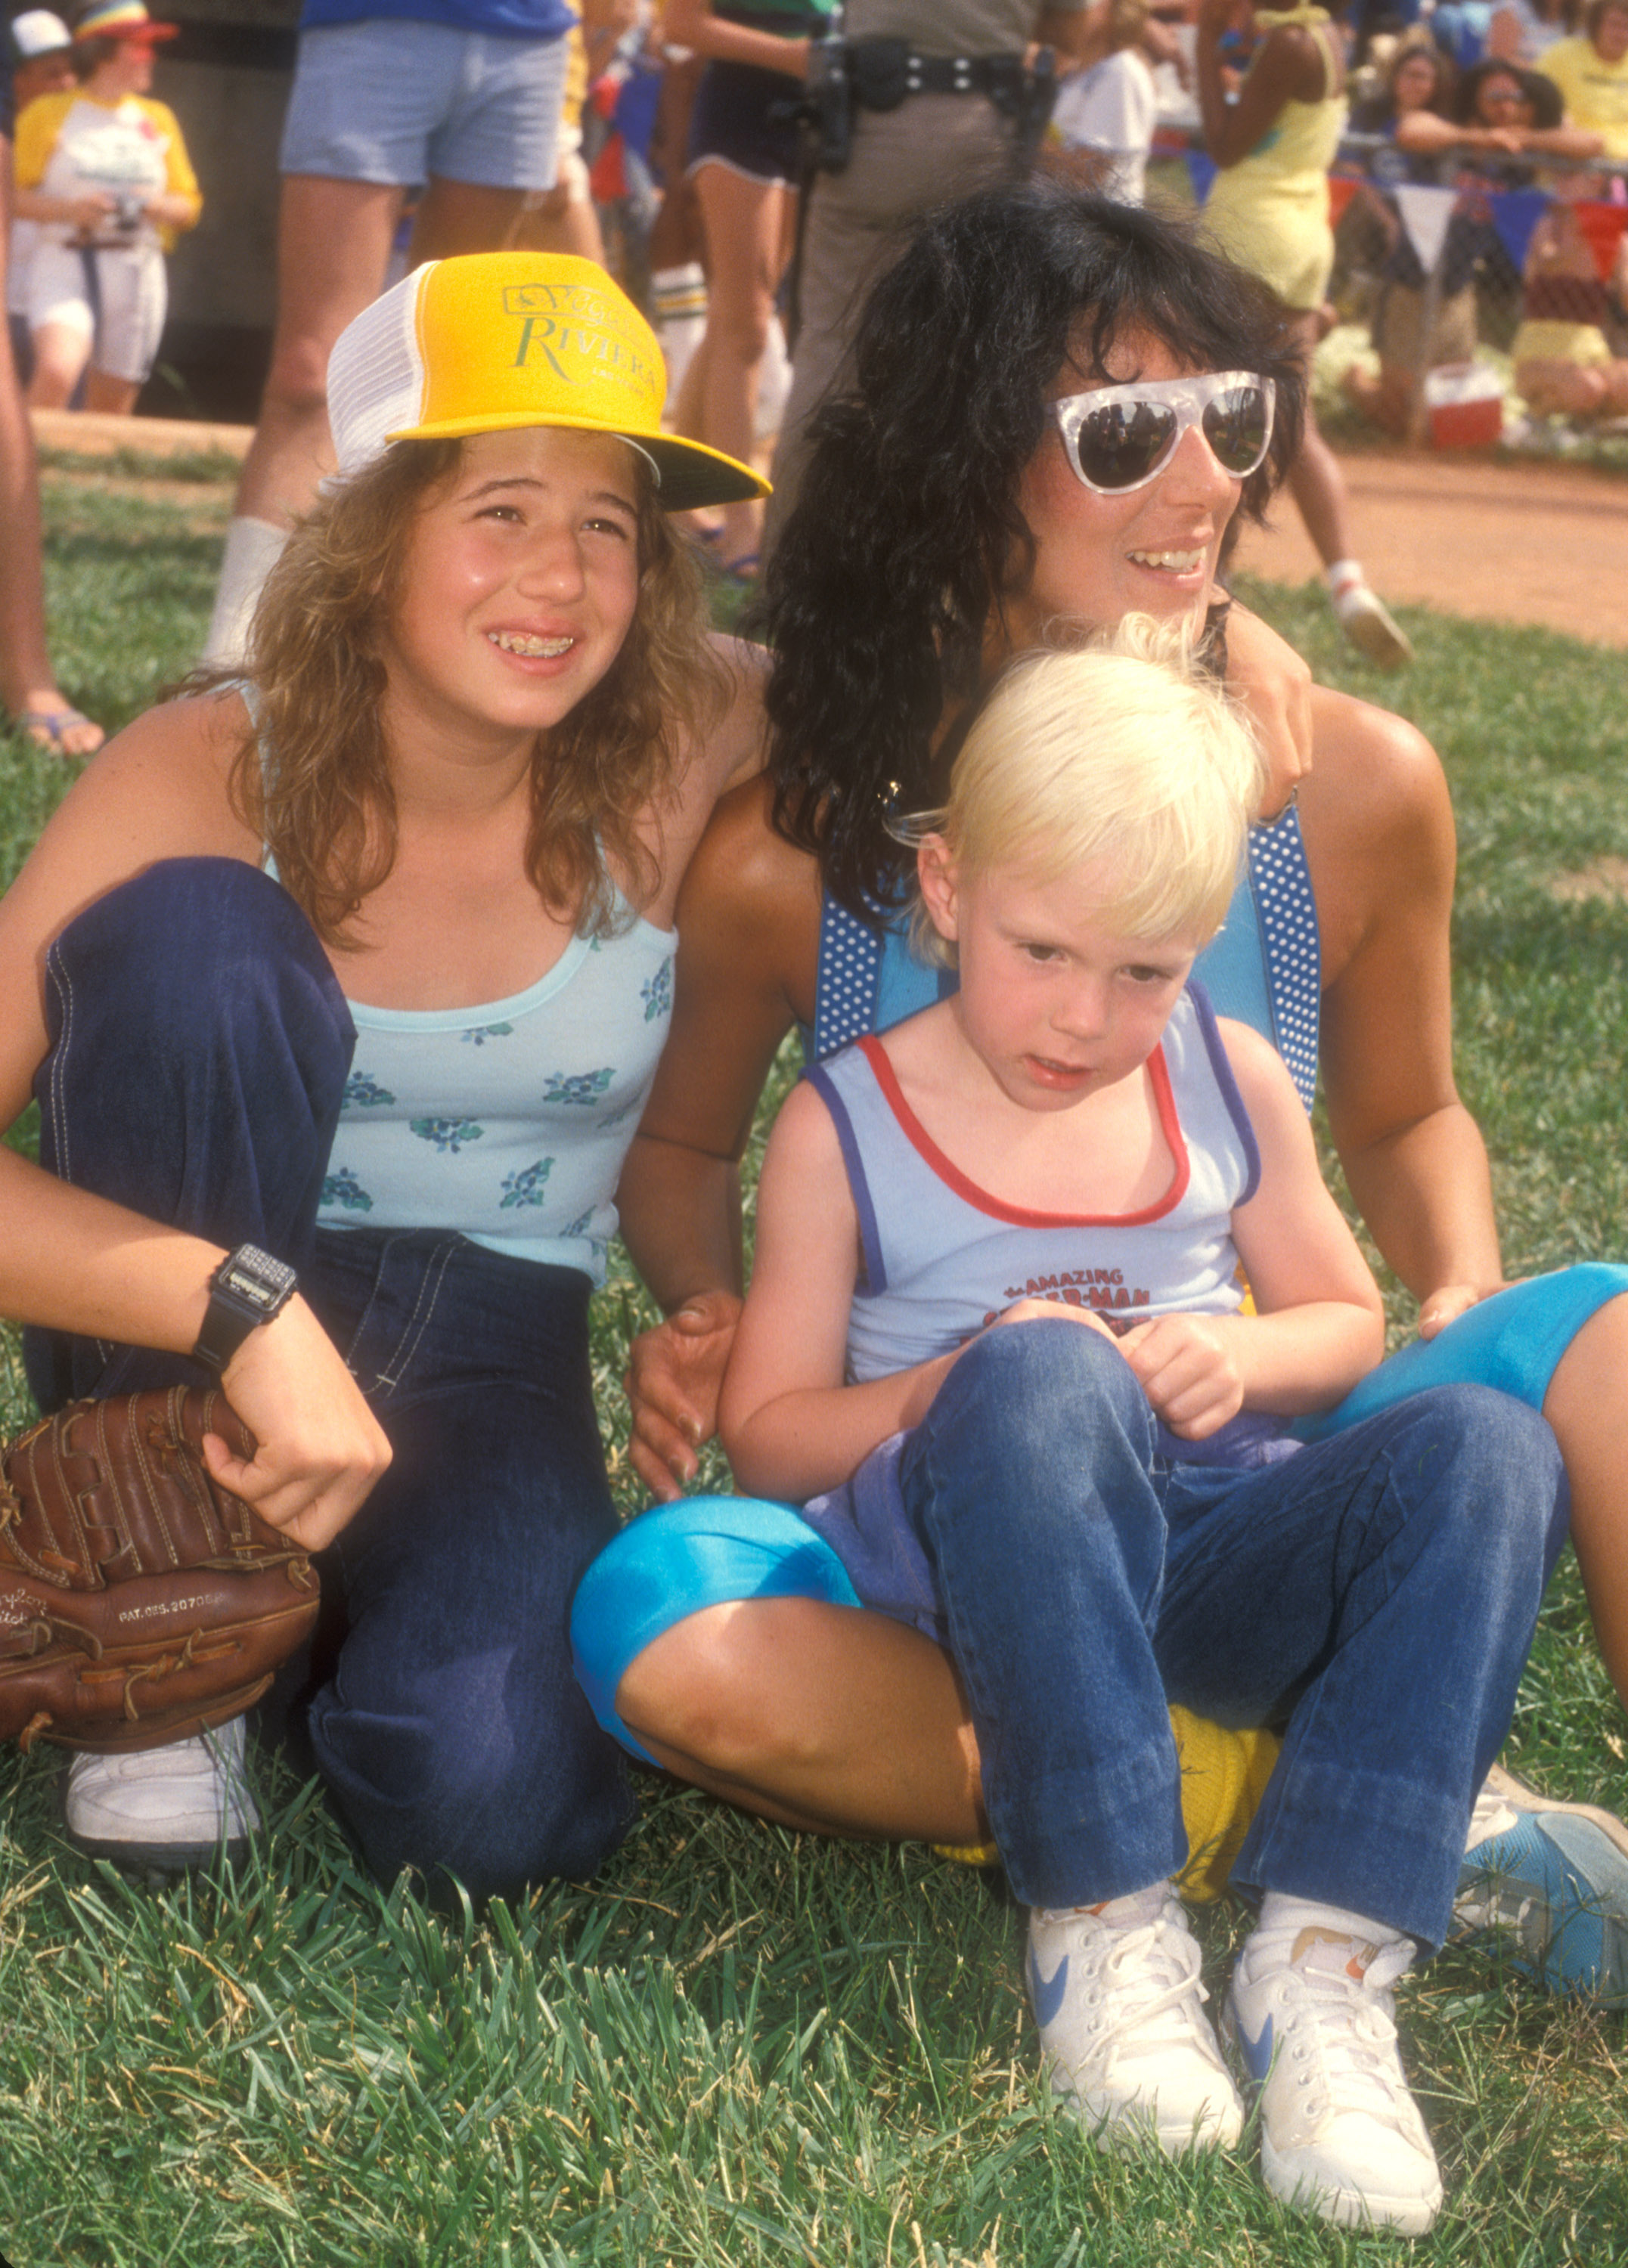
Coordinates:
739 2045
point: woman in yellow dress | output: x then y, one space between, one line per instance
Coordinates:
1269 210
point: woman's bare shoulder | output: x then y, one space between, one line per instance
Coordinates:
747 883
1375 776
1377 820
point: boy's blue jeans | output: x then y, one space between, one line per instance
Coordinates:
199 1048
1376 1593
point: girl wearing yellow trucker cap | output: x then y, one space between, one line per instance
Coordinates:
341 987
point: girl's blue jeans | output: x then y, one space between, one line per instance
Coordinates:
200 1045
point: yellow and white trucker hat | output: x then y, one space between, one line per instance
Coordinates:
497 340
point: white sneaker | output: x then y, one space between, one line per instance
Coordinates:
1368 622
1311 2013
1124 2041
166 1808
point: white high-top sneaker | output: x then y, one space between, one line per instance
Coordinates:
1124 2041
1310 2011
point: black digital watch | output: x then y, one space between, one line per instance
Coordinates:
247 1290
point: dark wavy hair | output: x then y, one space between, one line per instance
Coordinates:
907 536
1548 104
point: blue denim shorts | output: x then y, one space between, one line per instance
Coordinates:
396 101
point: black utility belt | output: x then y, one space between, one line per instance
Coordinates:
848 75
884 73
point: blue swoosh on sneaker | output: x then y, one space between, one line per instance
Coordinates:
1047 1992
1258 2052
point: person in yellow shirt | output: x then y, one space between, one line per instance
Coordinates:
1591 72
104 171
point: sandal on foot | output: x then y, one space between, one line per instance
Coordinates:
49 729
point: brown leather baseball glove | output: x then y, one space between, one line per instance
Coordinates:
139 1602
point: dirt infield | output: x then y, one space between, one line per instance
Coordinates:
1502 541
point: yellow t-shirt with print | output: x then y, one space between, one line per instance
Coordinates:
68 142
1596 92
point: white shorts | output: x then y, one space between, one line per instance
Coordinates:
115 299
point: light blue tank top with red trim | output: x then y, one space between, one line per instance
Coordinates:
1264 969
941 1258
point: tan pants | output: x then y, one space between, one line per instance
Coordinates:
904 162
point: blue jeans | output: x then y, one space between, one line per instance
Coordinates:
1376 1594
200 1047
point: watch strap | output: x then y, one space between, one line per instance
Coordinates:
248 1289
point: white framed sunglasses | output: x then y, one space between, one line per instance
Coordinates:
1119 438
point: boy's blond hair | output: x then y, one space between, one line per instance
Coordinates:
1116 754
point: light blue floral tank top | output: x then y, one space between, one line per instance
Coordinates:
508 1122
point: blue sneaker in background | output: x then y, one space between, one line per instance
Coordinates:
1549 1880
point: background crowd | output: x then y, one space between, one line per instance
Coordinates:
1442 188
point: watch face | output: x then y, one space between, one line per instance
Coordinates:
256 1278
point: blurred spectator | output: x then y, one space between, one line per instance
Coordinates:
42 60
563 219
41 57
1565 366
1411 112
1460 29
1523 31
618 129
743 160
462 95
1112 106
677 249
28 687
1592 73
1509 114
1500 116
102 171
945 106
1268 208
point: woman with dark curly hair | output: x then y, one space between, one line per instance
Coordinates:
947 530
1051 428
341 986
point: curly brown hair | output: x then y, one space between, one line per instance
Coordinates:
312 778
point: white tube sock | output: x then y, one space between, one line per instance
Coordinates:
679 296
253 548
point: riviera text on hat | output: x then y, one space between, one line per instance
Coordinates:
494 340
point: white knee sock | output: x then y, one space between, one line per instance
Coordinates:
253 548
680 298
